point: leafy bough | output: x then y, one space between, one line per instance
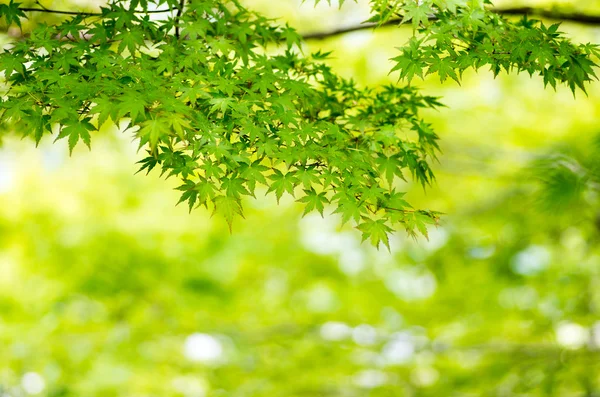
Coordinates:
216 105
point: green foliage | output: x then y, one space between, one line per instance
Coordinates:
214 104
12 13
464 36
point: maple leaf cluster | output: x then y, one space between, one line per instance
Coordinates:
213 104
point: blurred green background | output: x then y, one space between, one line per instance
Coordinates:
108 289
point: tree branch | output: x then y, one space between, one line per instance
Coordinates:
575 17
179 11
84 14
579 18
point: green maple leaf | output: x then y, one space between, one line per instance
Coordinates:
132 104
221 104
409 62
190 194
376 231
79 129
229 208
419 220
451 5
195 29
292 37
307 177
179 123
395 200
264 85
132 40
39 125
282 183
313 200
122 17
254 173
418 12
349 207
390 167
206 191
12 13
200 192
234 187
152 131
147 164
372 193
191 94
105 108
212 169
10 63
445 68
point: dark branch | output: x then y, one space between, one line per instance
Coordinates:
84 14
179 12
580 18
574 17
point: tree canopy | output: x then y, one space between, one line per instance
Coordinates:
226 100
